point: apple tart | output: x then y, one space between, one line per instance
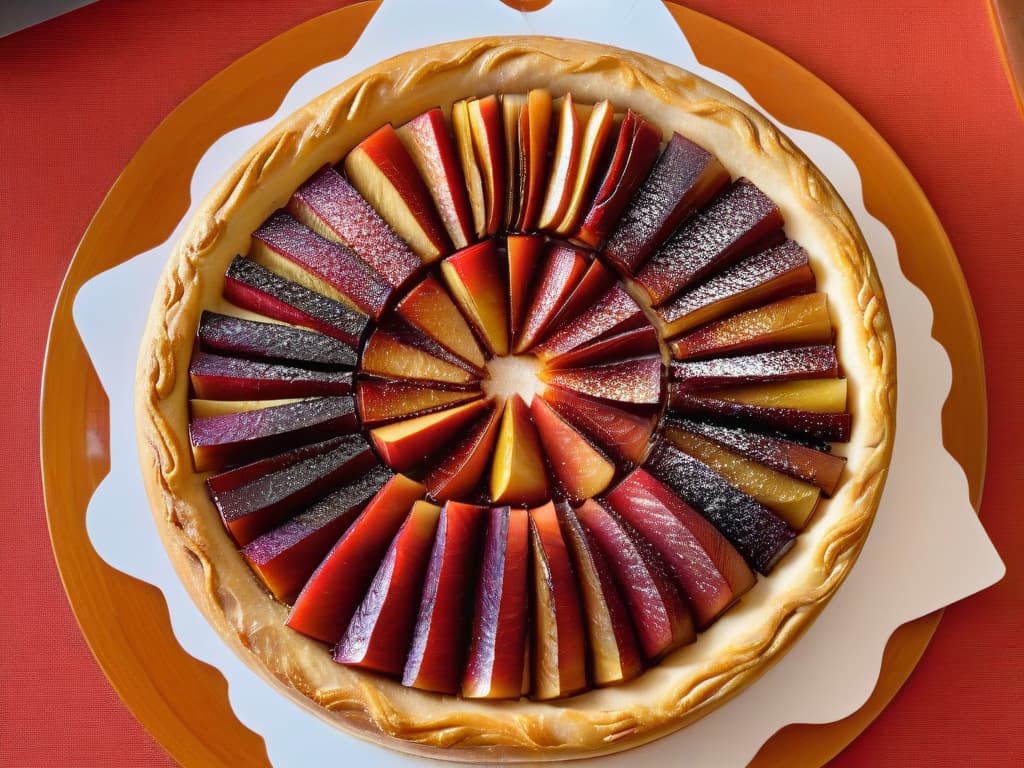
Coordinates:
517 399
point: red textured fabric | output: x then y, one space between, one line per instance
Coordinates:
80 93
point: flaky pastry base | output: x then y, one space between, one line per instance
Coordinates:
689 682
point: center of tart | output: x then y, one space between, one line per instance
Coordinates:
513 375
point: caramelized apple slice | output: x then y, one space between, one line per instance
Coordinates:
380 632
518 475
494 669
332 208
328 601
777 272
790 321
623 433
790 499
558 651
460 473
729 227
592 286
564 267
403 353
607 314
431 148
757 533
439 642
683 179
292 250
581 469
803 424
524 253
819 468
614 652
565 161
273 342
512 105
383 400
476 280
489 146
534 137
384 173
627 381
814 395
463 131
711 573
636 149
659 611
429 308
256 497
286 556
216 377
237 438
776 365
406 444
254 287
607 347
593 142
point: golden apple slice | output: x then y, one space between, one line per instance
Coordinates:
591 150
814 395
397 355
566 160
534 137
489 144
405 445
201 409
581 469
383 400
429 308
518 475
474 276
512 105
463 131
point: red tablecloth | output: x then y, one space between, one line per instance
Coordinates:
79 94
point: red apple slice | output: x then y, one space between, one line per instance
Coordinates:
237 438
254 287
215 377
332 208
627 381
496 658
292 250
608 314
592 286
614 652
431 148
404 353
659 611
439 642
380 632
405 445
534 138
429 308
286 556
384 173
593 143
257 497
475 277
462 472
564 266
738 219
518 475
772 274
623 433
636 150
328 601
383 400
790 321
558 651
273 342
565 161
489 145
581 469
683 179
711 573
817 362
524 254
607 347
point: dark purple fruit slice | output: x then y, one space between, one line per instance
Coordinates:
685 177
237 438
273 342
254 287
814 362
733 223
611 313
287 556
619 346
757 532
215 377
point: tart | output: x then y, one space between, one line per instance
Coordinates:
476 395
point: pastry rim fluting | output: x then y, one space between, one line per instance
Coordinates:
734 651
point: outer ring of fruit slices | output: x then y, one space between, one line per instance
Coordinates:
686 684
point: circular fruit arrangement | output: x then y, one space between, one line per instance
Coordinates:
514 402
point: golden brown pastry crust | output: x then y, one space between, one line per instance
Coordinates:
735 650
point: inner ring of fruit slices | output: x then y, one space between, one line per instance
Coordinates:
359 327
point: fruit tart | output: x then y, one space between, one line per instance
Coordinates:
517 399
